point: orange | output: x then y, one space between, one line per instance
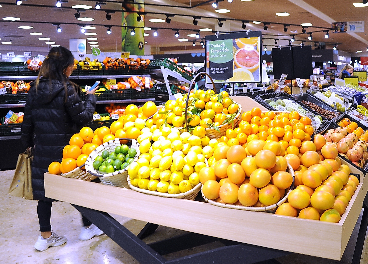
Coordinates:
256 111
177 110
331 215
207 173
293 160
263 128
285 121
288 135
309 213
246 116
226 102
311 178
115 126
245 127
233 108
211 189
265 120
249 165
73 152
255 146
305 120
223 139
288 128
229 192
269 195
299 198
275 147
255 128
309 129
76 139
88 148
131 118
220 168
310 158
307 146
217 107
221 152
81 159
233 142
329 151
248 194
68 164
263 135
295 142
220 118
255 120
294 115
242 137
54 168
278 131
96 140
86 133
299 134
230 133
292 150
293 122
120 133
260 178
235 173
273 137
132 109
236 154
287 210
132 133
252 137
103 131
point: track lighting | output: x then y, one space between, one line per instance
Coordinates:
58 29
177 33
155 33
265 25
77 15
292 38
230 1
83 30
132 32
327 34
195 21
197 35
220 22
98 5
304 30
286 28
244 25
109 30
275 41
310 36
108 16
194 43
215 4
202 43
265 48
335 47
302 44
168 19
367 48
18 2
58 3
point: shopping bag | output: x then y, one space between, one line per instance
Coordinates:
21 185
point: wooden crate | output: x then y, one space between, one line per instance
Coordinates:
315 238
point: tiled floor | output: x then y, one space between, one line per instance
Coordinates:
19 231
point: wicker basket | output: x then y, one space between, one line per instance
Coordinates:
189 195
271 208
117 178
79 173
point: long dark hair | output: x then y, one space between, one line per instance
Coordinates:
54 66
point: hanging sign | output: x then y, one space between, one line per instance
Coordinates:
355 26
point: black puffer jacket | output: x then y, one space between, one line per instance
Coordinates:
49 122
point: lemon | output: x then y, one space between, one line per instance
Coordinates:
156 134
176 131
165 130
178 121
187 170
185 186
185 136
143 162
241 75
194 178
207 151
162 186
173 136
167 152
211 161
155 161
145 146
156 152
139 123
178 153
176 177
177 145
196 149
165 163
165 144
178 163
165 175
201 158
144 172
186 148
152 185
154 173
143 136
156 145
205 141
146 156
173 188
135 181
161 138
128 125
199 166
194 141
191 158
146 130
213 143
133 170
143 184
153 128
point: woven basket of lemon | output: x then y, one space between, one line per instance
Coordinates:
244 182
110 160
164 168
215 112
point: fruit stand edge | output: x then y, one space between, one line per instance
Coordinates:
247 103
297 235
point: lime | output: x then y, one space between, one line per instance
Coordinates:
124 149
121 157
124 165
97 164
109 168
112 155
118 149
102 168
130 160
117 164
105 154
109 161
132 152
99 158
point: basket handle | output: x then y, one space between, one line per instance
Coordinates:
190 88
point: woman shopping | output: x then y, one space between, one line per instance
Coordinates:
52 114
347 71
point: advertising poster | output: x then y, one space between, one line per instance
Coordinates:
133 43
234 57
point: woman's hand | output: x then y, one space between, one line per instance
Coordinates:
92 91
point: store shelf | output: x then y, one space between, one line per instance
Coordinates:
129 101
9 137
12 105
88 77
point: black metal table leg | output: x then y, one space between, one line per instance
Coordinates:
147 230
361 234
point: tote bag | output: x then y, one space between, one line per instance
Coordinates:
21 185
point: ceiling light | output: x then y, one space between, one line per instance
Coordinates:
168 20
360 4
197 35
222 11
246 0
58 29
202 43
6 43
98 5
177 34
81 6
230 1
58 3
157 20
83 30
304 30
257 22
45 39
91 38
55 45
35 33
18 2
265 48
367 49
265 25
206 29
292 38
195 21
335 47
50 42
89 27
93 42
155 33
86 19
183 40
146 28
132 32
90 33
11 18
77 15
194 43
302 44
108 30
25 27
108 16
193 35
244 25
306 24
283 14
310 36
327 34
145 34
215 4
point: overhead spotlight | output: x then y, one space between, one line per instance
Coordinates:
83 30
132 32
197 35
108 16
215 4
195 21
98 5
194 43
139 18
265 25
58 29
285 28
367 48
177 33
302 44
244 25
58 3
304 30
168 19
109 30
327 34
292 38
335 47
202 43
310 36
77 15
155 33
18 2
315 44
265 48
230 1
220 23
275 41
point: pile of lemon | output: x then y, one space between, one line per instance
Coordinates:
169 161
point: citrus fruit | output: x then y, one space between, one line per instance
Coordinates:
229 192
269 195
76 139
248 194
299 198
54 168
86 133
247 58
236 154
260 178
211 189
287 210
235 173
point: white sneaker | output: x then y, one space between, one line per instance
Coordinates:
53 241
89 232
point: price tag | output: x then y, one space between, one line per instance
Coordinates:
2 90
125 55
114 116
111 82
96 117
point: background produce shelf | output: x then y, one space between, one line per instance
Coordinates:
10 129
18 98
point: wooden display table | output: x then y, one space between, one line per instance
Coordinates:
315 238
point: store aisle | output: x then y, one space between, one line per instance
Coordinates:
19 231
